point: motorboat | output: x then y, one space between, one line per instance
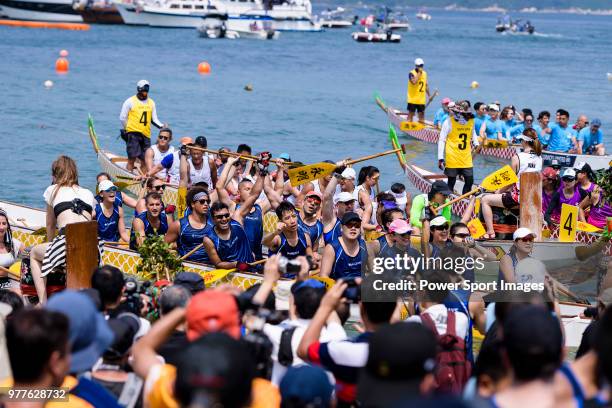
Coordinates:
336 18
380 35
506 25
422 15
97 12
217 28
40 10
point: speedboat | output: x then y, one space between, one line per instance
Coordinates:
336 18
380 35
217 28
40 10
422 15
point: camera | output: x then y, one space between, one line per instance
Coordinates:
133 302
353 292
289 267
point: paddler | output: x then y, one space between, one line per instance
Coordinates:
171 163
347 256
161 149
197 166
492 126
120 198
455 146
153 221
442 113
561 134
333 209
418 91
137 114
396 241
569 193
288 240
590 139
424 205
109 215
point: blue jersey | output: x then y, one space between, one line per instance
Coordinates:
590 139
291 252
541 134
458 301
253 225
506 128
334 234
440 117
108 227
234 249
314 231
346 266
493 127
189 238
560 138
148 228
478 121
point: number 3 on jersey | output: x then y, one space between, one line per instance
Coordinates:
143 118
463 144
567 224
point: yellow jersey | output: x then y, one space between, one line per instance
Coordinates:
417 92
139 116
459 144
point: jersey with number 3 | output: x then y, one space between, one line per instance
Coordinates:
139 117
459 145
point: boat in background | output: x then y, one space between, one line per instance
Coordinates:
505 24
377 36
97 12
336 19
422 15
216 28
40 10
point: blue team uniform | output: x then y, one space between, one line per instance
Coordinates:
440 117
108 227
234 249
346 266
478 121
253 225
493 128
314 231
560 138
189 238
148 228
333 234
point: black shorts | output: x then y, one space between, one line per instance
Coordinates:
413 107
508 201
137 144
466 172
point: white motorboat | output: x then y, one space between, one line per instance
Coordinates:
129 13
422 15
218 29
40 10
336 19
379 36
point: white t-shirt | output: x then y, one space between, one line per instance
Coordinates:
439 314
67 194
6 260
330 332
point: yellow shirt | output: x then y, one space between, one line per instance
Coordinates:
417 92
139 117
459 144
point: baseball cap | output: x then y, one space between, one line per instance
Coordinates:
580 167
284 156
349 173
191 281
308 384
106 185
201 141
549 172
446 101
186 140
212 311
308 283
438 221
143 85
400 355
313 193
344 197
400 226
555 164
596 122
124 327
350 217
89 332
522 233
419 61
568 172
440 187
493 107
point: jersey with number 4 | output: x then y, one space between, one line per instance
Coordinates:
139 117
459 144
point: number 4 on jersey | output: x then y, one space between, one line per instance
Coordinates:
567 224
143 118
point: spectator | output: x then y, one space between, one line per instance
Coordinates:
306 386
176 296
569 193
109 283
590 139
191 281
561 135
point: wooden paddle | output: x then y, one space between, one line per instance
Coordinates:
305 174
193 251
222 153
116 243
431 98
218 274
122 185
496 180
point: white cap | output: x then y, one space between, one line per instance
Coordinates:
568 172
105 185
579 166
142 83
349 173
522 233
419 61
494 107
344 197
438 221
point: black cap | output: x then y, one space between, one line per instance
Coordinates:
190 280
399 357
201 141
350 217
124 327
440 187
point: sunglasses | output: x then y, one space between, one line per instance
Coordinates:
113 188
163 138
568 179
405 235
462 235
222 216
527 239
355 225
203 202
159 188
314 200
440 227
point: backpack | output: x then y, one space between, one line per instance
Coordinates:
453 369
285 352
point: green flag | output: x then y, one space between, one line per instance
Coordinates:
396 145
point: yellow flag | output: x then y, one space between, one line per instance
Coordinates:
181 202
495 143
586 227
215 275
567 224
305 174
411 126
476 228
501 178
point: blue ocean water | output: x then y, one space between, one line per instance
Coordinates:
312 92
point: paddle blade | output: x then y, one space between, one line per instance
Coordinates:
476 228
215 275
181 201
40 231
305 174
122 185
494 143
411 126
396 145
586 227
329 282
380 102
501 178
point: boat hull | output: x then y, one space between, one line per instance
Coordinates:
129 15
48 10
101 15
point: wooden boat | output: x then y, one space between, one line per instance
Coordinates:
116 166
431 134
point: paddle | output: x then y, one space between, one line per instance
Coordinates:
496 180
193 251
122 185
406 126
116 243
240 156
431 98
218 274
9 273
305 174
380 102
586 227
396 144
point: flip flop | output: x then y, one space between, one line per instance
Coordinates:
488 236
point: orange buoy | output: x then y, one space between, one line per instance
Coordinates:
61 65
204 67
63 53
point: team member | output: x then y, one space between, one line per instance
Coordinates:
227 244
529 159
480 109
581 123
308 219
396 242
288 239
569 193
152 185
199 166
153 221
590 139
333 209
111 224
137 114
189 231
491 128
120 198
418 87
455 146
561 135
171 163
424 205
346 256
442 113
507 122
527 123
162 148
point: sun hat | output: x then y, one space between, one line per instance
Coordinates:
344 197
438 221
349 217
349 173
596 122
419 61
143 85
446 101
399 226
493 107
191 281
89 332
313 193
568 172
440 187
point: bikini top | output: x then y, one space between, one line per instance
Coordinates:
77 206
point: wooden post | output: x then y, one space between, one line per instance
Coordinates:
531 203
81 253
